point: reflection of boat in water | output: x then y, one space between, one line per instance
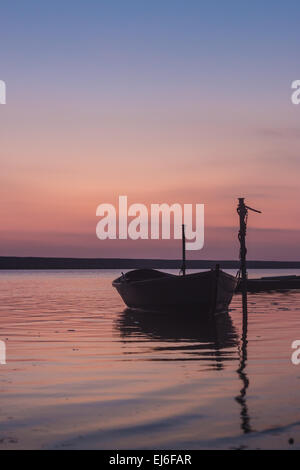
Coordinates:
188 335
152 290
192 338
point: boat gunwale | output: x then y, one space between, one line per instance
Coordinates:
121 281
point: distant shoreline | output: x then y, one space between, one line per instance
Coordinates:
14 262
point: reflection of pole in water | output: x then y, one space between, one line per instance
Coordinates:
241 398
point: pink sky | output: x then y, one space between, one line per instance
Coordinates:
55 174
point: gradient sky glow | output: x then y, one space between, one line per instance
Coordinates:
164 101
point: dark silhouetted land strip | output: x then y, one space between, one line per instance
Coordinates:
14 262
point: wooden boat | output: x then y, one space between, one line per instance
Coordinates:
152 290
272 283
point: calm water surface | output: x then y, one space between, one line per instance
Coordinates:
83 373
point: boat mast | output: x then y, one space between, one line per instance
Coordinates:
183 266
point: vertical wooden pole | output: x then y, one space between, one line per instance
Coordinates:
183 268
242 211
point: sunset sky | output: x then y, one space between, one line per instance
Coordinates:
162 101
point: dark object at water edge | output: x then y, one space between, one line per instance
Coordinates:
272 283
152 290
